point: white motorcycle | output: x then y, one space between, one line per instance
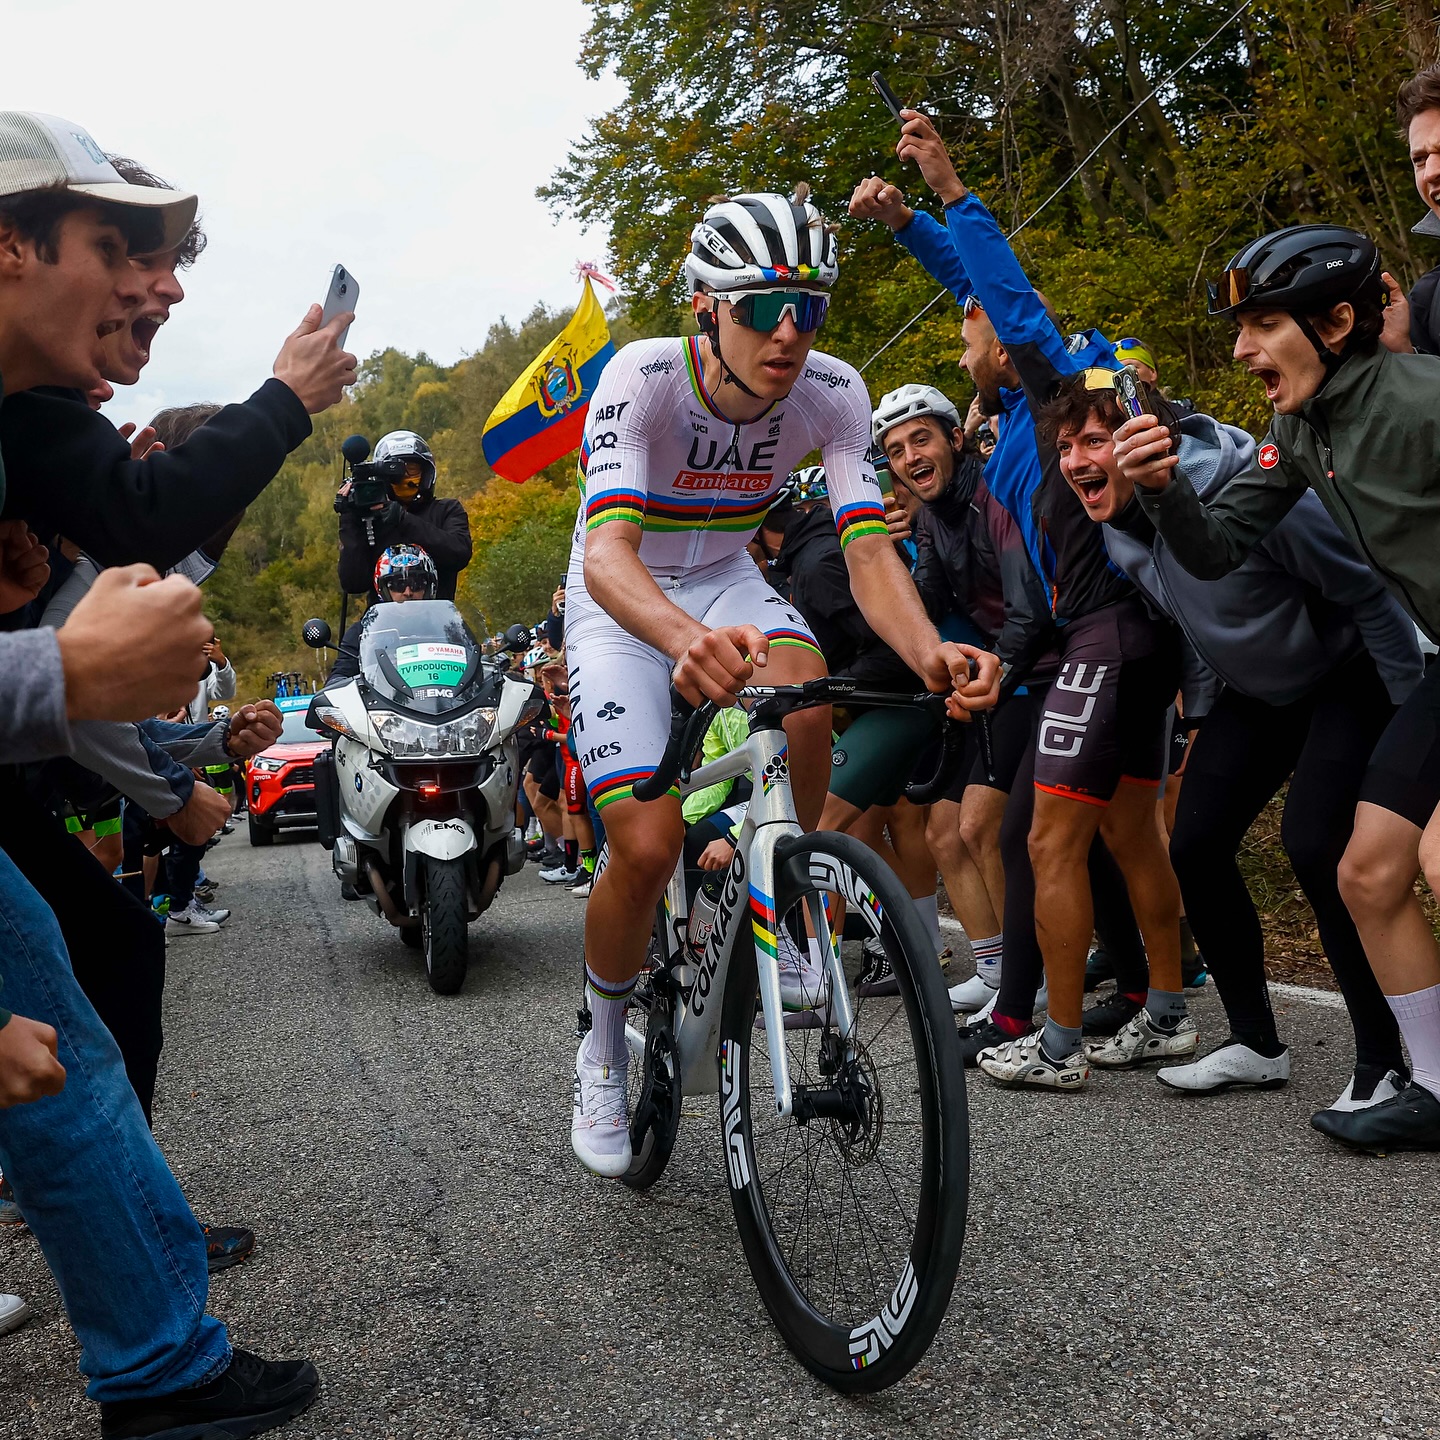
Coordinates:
416 800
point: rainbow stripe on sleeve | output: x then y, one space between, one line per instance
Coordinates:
626 505
860 517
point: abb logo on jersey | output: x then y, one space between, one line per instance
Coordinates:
747 483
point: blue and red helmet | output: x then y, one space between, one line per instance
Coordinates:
406 567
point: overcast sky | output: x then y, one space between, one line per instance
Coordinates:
402 140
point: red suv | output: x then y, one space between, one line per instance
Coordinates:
280 781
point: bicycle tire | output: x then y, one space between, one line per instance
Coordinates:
655 1081
877 1332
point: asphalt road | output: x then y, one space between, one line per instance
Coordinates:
1137 1264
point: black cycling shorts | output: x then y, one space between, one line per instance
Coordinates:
1404 772
541 767
1104 717
875 758
1012 735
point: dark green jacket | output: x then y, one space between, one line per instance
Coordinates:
1369 446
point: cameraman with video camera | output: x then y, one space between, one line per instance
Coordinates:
390 500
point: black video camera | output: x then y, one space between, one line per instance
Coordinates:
370 481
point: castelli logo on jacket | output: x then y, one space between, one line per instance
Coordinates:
1269 457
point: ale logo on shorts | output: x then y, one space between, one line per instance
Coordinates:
1269 456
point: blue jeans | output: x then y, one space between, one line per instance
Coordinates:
126 1252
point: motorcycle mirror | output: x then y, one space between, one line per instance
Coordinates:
315 633
517 638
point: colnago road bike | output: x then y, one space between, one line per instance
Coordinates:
845 1130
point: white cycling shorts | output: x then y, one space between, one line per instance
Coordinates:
620 686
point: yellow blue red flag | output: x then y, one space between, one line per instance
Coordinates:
542 415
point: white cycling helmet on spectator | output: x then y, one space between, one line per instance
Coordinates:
912 402
751 241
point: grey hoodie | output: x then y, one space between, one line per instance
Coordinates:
1299 605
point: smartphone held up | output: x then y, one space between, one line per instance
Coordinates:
891 99
340 299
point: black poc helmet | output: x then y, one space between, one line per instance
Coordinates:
1301 269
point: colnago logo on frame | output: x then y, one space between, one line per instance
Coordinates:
735 887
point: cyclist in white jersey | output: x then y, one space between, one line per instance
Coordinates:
687 443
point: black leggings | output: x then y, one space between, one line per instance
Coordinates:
1241 756
1024 966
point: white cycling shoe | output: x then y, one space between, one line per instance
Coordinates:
802 981
600 1120
1231 1067
1140 1040
972 994
1022 1064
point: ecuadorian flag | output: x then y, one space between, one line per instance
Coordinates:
542 415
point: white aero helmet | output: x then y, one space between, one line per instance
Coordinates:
751 241
911 402
407 445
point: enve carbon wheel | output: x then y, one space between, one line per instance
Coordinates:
654 1076
444 928
852 1210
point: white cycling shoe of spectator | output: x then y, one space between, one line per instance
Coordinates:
1386 1088
1141 1039
600 1119
14 1312
1022 1064
1231 1067
802 978
190 921
973 994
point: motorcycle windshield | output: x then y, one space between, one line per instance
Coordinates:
419 654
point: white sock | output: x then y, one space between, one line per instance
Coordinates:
925 908
1418 1015
988 954
606 1043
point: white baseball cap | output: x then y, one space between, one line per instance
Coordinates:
43 152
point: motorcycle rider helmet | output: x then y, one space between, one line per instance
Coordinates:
805 484
912 402
406 563
408 446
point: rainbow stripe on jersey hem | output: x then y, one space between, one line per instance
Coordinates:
621 786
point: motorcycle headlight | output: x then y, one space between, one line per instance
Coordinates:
408 739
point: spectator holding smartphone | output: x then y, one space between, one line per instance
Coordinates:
126 1252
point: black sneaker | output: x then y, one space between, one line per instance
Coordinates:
1108 1016
978 1037
227 1245
251 1397
1409 1121
1098 969
877 976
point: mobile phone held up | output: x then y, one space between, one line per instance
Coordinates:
1127 390
341 298
891 99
